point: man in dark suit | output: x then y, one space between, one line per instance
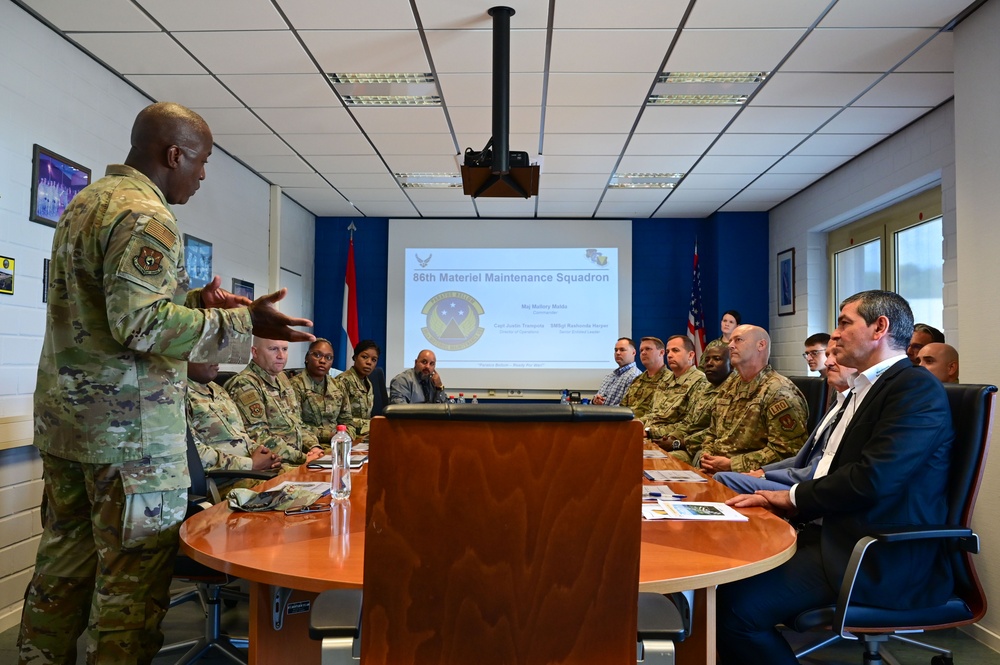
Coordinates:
885 466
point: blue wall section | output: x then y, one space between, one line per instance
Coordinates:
732 247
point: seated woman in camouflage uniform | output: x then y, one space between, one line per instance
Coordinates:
318 394
358 396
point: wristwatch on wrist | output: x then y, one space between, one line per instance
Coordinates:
677 444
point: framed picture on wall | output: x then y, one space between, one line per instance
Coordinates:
55 180
198 260
243 288
786 282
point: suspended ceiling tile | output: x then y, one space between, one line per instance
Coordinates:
684 210
191 91
656 163
573 181
277 164
381 209
330 204
317 120
713 196
741 14
297 180
676 144
698 119
753 193
94 16
855 50
462 15
910 90
716 181
471 51
621 89
328 164
784 181
731 50
253 144
386 119
505 207
356 193
447 209
938 56
421 163
585 196
838 144
653 196
736 163
477 89
579 119
248 52
368 15
432 195
366 51
818 164
232 121
916 13
414 144
774 119
580 163
564 209
330 144
584 144
620 50
479 120
624 14
477 141
749 205
872 120
814 89
281 90
756 144
635 209
214 15
160 53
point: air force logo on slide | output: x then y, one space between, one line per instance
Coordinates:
452 320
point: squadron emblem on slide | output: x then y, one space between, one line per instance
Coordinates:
452 320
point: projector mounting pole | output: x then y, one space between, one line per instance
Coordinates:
501 89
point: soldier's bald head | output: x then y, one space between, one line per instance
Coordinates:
163 124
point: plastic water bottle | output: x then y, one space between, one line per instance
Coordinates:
475 400
451 399
340 455
564 399
461 398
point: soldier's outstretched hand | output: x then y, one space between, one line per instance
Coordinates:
269 323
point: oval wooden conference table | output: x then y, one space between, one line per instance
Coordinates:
288 560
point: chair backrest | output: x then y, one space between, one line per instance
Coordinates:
499 537
814 389
972 418
380 394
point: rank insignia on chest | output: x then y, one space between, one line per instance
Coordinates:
257 410
147 261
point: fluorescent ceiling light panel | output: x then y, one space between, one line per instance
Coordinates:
645 180
705 88
386 89
429 180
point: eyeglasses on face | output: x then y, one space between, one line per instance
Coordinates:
812 354
321 356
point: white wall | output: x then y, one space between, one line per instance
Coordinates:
958 145
54 95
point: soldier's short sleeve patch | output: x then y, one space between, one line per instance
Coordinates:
157 229
148 261
778 407
256 410
787 422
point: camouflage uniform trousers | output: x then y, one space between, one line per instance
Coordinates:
104 554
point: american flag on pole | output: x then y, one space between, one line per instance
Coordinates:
696 314
349 320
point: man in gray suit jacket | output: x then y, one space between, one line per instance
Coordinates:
784 473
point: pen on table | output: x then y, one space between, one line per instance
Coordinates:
669 496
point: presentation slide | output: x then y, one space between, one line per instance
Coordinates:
502 315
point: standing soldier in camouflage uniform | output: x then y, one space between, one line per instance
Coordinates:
639 396
269 407
759 417
730 319
218 432
672 417
356 406
109 401
317 393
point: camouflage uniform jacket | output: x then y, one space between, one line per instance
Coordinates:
671 411
639 397
271 413
758 422
112 373
215 422
356 404
320 404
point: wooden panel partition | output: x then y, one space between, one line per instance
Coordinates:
502 542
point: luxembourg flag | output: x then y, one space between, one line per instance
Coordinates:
349 320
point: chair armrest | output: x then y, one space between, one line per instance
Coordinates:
967 540
659 619
337 614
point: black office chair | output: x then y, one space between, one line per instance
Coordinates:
971 413
814 389
481 547
210 586
381 395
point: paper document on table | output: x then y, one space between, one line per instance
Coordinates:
656 492
326 461
683 510
654 454
674 476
